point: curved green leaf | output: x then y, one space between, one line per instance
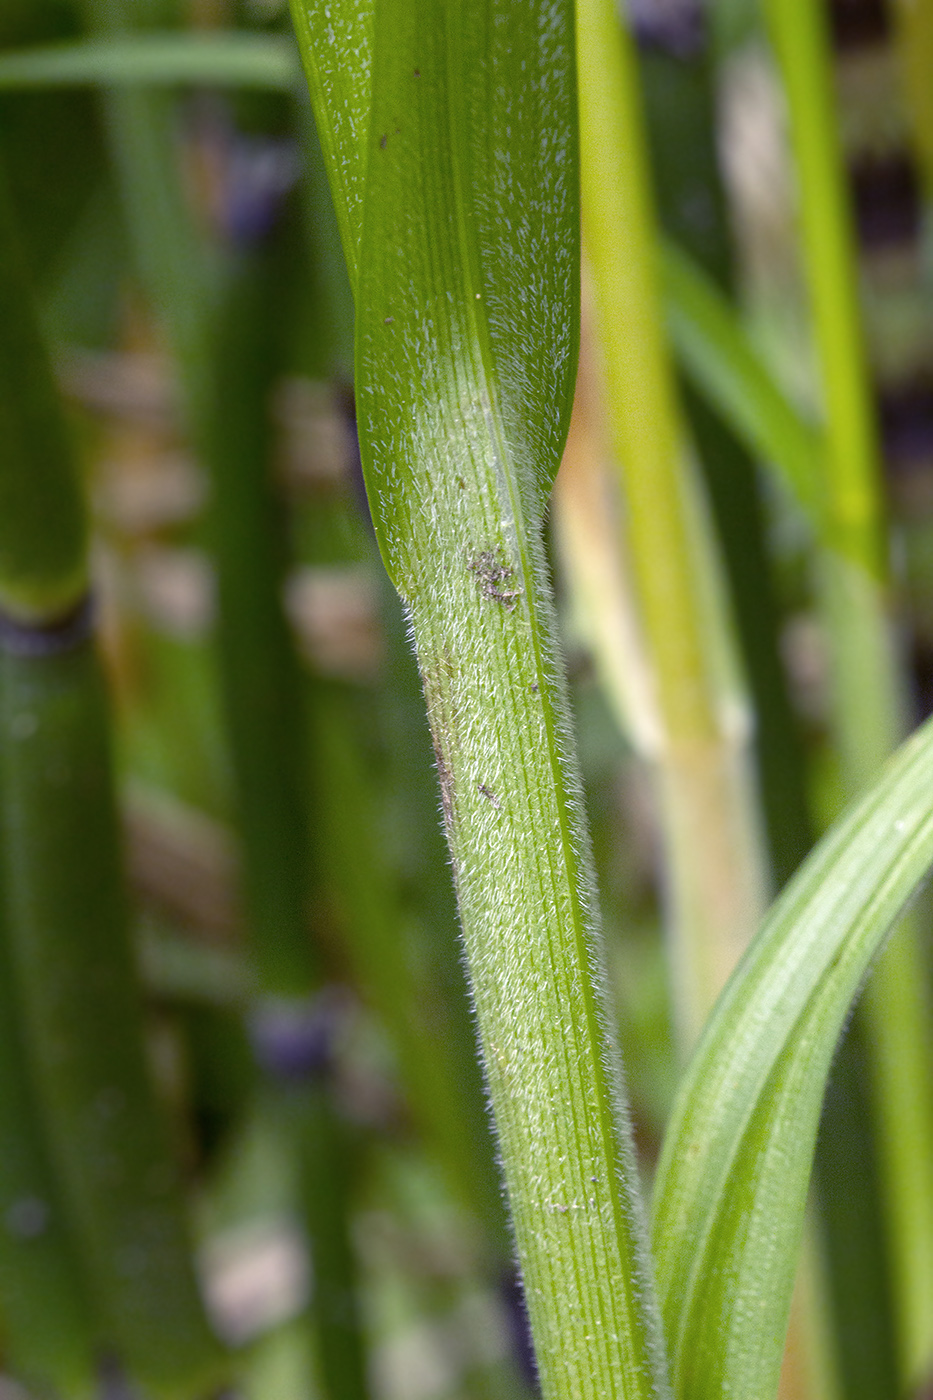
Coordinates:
733 1178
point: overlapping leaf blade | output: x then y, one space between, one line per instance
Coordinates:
523 289
469 256
732 1184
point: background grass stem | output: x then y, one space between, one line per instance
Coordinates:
866 687
716 866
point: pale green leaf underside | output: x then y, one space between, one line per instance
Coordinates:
732 1184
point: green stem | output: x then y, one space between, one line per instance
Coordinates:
445 1092
866 688
467 185
261 679
708 809
498 718
680 105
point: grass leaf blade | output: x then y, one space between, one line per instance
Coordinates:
159 59
722 362
336 43
732 1184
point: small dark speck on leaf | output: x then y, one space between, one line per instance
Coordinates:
417 72
382 142
494 575
490 795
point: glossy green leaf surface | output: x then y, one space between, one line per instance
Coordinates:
733 1178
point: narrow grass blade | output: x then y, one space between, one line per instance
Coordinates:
722 362
159 60
712 830
260 677
466 307
264 702
68 923
856 1267
732 1184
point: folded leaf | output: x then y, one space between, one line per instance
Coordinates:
732 1184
